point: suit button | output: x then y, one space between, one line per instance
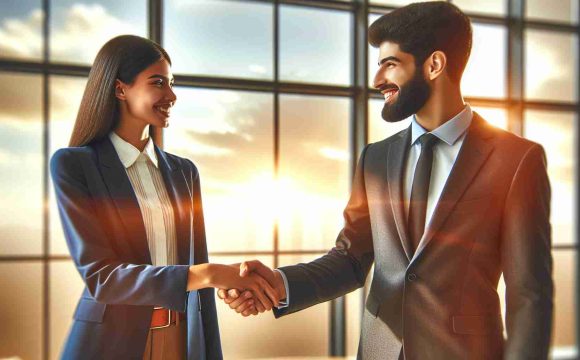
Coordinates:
412 277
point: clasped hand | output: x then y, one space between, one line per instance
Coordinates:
246 302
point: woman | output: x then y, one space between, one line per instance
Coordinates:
133 221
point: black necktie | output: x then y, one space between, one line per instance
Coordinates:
420 190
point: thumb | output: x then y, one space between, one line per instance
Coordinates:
247 267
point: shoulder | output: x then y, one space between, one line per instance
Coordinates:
510 145
70 159
382 146
183 163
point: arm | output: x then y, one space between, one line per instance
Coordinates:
526 259
108 279
341 271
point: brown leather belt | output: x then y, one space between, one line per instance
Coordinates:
162 318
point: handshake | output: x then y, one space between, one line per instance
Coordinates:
260 288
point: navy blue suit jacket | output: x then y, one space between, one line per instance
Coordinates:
105 234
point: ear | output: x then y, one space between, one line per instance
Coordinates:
435 64
120 90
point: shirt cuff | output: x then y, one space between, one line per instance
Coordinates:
286 302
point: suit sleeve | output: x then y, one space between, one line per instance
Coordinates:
108 279
346 266
527 261
208 306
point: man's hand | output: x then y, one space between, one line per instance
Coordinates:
243 303
220 276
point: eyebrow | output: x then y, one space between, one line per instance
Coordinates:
389 58
160 76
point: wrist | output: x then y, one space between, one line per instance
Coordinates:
280 287
200 277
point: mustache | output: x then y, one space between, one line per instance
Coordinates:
388 87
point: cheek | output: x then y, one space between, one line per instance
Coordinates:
142 100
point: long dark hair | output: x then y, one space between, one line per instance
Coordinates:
123 58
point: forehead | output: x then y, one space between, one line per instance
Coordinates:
160 67
388 49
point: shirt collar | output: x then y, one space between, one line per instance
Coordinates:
128 153
450 131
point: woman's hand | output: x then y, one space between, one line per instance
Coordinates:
228 277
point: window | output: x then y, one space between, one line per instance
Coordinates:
266 91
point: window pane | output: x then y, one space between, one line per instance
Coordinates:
220 38
551 59
490 7
21 164
564 327
554 131
310 340
21 29
485 73
314 171
66 286
229 136
315 45
495 116
21 301
380 129
298 340
78 28
373 54
65 98
555 10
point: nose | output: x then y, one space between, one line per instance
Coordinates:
379 79
171 95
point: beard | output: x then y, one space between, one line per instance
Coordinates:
411 97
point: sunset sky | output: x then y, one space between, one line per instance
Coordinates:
229 134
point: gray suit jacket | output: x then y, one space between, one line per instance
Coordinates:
492 217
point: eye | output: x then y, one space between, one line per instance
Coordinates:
157 82
390 64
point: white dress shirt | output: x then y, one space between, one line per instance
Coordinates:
147 182
451 135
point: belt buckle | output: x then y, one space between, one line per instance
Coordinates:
168 319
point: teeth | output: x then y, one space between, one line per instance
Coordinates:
389 94
164 109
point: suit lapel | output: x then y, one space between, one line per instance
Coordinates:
473 154
180 196
395 171
124 198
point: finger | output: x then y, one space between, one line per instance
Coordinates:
259 306
270 292
240 300
246 305
250 311
222 294
232 295
262 300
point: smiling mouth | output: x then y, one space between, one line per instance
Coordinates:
389 94
165 110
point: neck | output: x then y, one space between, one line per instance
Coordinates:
441 107
133 132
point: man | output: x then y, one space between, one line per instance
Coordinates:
442 209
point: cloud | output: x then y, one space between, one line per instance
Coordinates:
84 30
22 37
